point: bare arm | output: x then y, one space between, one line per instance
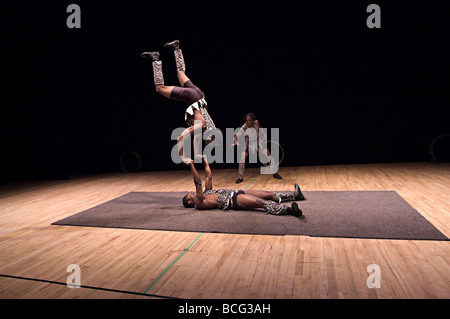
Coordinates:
238 134
198 186
208 174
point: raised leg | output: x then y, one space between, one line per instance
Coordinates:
164 90
158 76
179 60
182 78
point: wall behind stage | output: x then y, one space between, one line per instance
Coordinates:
76 99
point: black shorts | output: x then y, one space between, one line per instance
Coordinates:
189 93
234 198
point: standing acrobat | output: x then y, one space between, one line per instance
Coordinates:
252 145
196 113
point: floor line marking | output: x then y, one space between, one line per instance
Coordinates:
252 181
159 277
162 274
87 287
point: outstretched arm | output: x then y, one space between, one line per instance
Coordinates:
238 134
208 174
198 185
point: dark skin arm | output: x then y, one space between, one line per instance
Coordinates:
198 200
208 175
239 133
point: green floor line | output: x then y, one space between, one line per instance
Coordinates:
159 277
162 274
251 182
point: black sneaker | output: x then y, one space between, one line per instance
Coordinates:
174 45
295 211
298 193
239 180
154 56
277 176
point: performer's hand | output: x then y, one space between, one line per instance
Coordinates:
200 156
235 142
187 161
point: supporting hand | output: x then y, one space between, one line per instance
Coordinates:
187 161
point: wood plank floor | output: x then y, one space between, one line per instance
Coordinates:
219 265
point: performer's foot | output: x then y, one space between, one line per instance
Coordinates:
239 180
174 45
277 176
298 193
154 56
294 210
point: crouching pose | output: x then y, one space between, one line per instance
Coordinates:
253 146
229 199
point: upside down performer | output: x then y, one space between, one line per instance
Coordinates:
229 199
196 115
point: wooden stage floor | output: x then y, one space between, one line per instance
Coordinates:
124 263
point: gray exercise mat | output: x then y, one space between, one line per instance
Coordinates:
352 214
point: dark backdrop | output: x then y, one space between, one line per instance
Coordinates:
74 100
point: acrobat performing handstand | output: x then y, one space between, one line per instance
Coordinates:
229 199
196 115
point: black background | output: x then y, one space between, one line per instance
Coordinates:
75 99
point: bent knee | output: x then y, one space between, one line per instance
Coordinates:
162 89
